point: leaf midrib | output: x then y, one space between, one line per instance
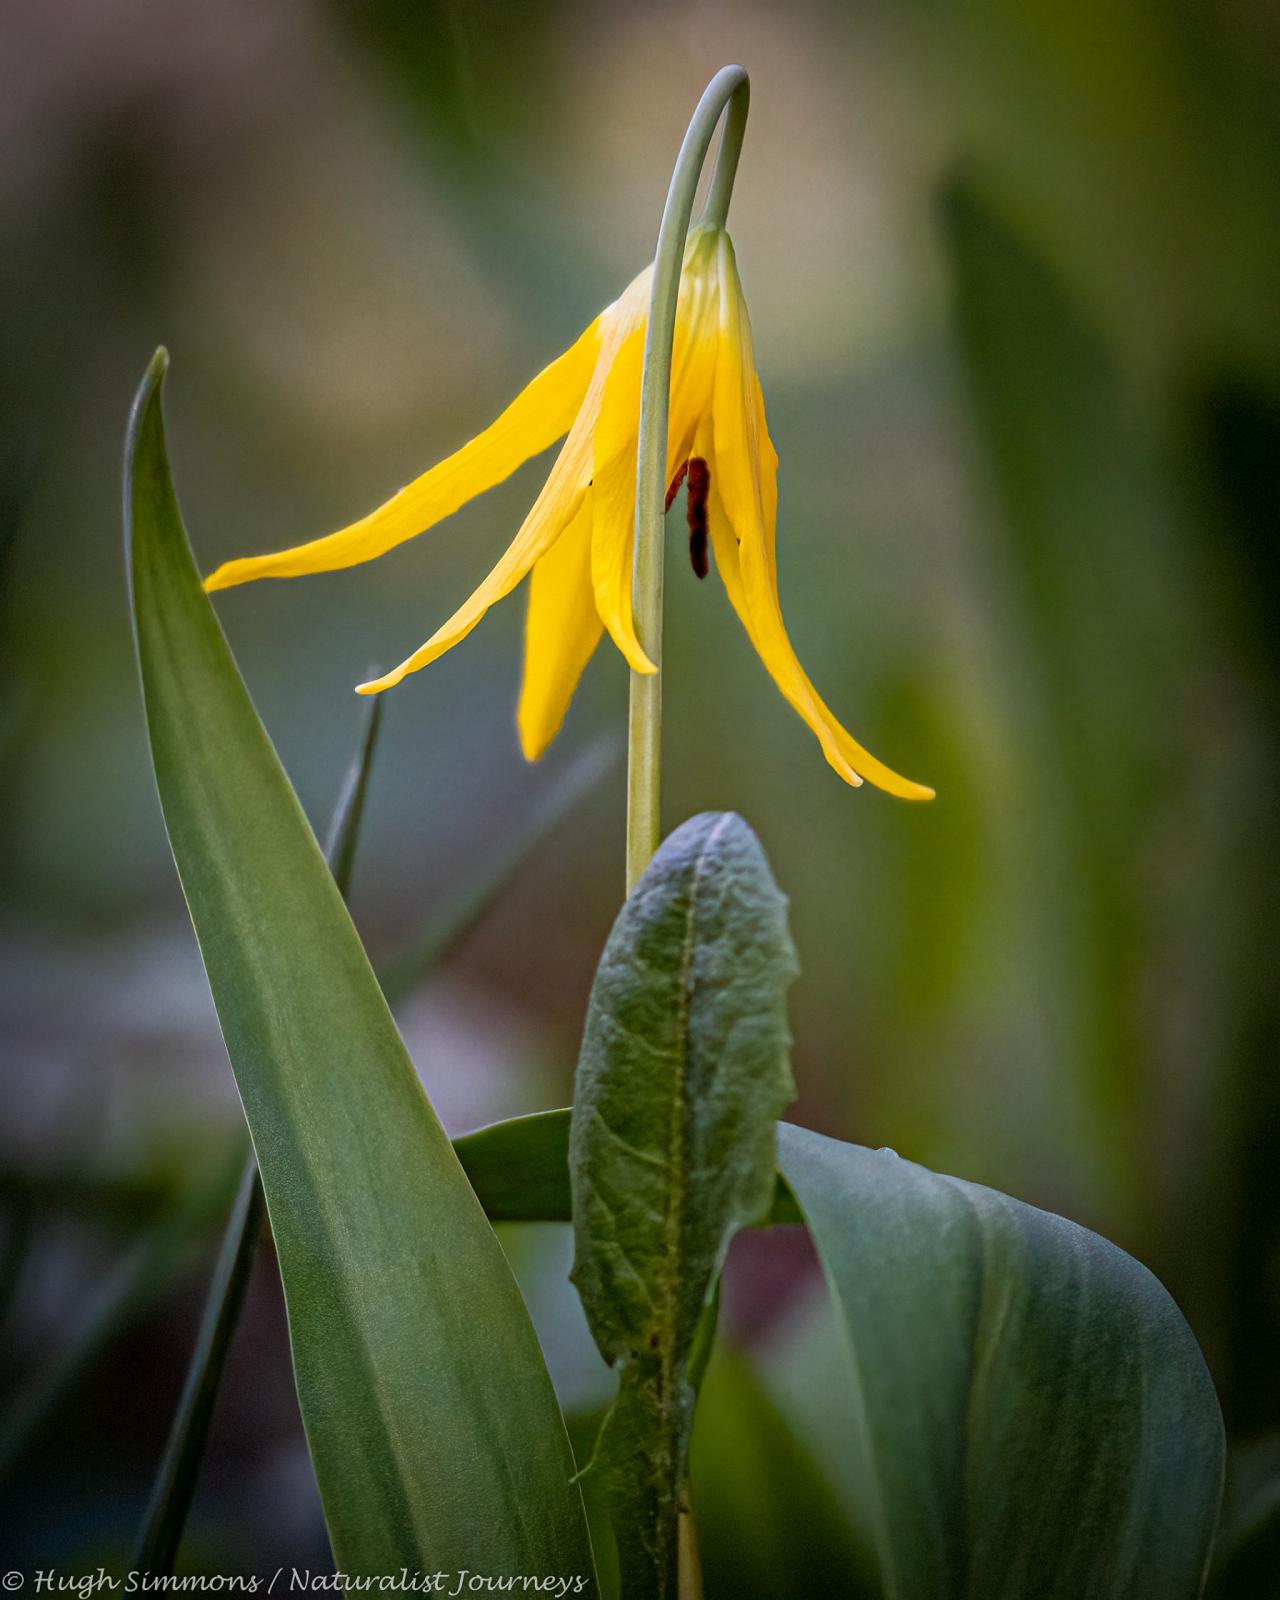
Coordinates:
673 1225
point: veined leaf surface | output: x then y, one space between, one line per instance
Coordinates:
683 1070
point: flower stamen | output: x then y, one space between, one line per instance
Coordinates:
696 512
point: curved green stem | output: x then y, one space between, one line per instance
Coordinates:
716 211
729 89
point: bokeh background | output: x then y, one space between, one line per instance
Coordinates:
1014 274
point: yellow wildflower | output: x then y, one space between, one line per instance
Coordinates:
577 539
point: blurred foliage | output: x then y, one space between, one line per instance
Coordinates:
1015 274
768 1519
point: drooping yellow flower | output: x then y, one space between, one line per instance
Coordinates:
576 541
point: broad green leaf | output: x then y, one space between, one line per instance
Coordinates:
435 1433
520 1170
684 1067
1039 1423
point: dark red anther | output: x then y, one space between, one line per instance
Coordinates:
696 511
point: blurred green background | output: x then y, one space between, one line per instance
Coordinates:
1014 275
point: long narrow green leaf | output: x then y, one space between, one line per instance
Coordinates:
161 1533
1038 1423
433 1427
683 1071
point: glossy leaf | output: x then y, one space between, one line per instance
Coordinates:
1038 1420
434 1431
683 1070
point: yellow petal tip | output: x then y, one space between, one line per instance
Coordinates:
905 789
635 657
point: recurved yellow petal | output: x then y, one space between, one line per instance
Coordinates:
613 498
555 508
743 521
562 629
551 514
536 418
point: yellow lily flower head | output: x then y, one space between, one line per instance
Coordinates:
576 542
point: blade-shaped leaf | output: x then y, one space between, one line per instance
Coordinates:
433 1427
160 1536
520 1170
1039 1423
684 1067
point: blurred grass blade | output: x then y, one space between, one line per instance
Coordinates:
434 1431
520 1170
683 1070
446 929
18 1233
19 466
1038 1423
1082 515
145 1270
161 1534
18 471
175 1483
348 813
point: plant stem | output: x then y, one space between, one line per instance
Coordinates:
728 92
729 88
688 1562
157 1547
